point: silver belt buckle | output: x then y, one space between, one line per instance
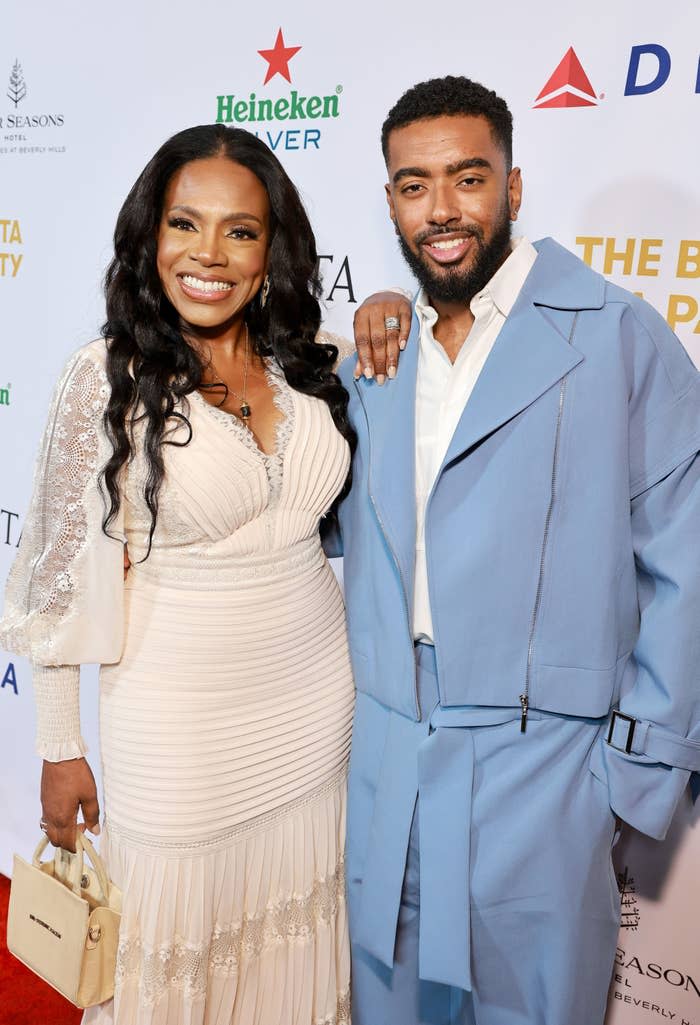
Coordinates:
631 723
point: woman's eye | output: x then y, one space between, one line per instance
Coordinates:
241 232
181 223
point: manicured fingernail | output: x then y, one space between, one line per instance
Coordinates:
380 379
402 343
96 830
368 373
391 371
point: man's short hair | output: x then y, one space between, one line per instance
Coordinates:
452 95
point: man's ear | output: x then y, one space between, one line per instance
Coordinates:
515 192
390 201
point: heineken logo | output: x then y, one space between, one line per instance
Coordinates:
287 108
278 58
251 109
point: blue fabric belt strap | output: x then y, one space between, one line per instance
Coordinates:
387 846
432 760
639 737
445 776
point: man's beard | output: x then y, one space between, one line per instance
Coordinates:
454 285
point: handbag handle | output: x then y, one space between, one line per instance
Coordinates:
82 847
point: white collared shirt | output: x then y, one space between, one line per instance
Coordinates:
443 390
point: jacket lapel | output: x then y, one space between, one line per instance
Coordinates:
529 356
533 351
535 347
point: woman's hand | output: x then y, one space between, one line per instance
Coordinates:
67 787
378 346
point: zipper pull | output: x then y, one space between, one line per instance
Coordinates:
523 714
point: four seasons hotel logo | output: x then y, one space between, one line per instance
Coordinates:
24 130
17 90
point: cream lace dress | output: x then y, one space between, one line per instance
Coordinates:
226 702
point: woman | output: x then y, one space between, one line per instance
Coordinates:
208 432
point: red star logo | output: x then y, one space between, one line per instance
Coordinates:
278 58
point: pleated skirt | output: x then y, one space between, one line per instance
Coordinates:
225 734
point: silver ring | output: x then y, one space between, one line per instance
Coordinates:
392 323
43 826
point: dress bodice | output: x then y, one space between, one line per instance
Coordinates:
224 499
224 509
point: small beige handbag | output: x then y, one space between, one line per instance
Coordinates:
63 922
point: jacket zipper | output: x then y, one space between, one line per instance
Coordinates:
525 696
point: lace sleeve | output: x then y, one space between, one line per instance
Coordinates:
344 346
63 602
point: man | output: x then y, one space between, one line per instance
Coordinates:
523 595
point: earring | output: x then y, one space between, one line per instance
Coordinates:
265 291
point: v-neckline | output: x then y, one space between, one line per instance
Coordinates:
282 397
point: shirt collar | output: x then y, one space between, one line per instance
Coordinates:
501 290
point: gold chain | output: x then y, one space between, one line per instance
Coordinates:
245 410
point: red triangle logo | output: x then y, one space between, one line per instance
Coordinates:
568 85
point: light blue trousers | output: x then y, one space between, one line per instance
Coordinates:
543 905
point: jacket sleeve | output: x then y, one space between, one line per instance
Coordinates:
655 744
332 541
330 535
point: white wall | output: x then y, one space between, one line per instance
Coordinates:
106 85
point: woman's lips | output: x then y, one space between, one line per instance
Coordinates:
208 290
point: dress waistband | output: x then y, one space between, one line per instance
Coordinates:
204 566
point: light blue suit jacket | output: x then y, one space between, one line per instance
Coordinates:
562 532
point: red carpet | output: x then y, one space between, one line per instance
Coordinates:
25 999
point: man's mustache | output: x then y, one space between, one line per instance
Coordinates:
468 230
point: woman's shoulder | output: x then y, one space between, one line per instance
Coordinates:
90 356
91 352
84 376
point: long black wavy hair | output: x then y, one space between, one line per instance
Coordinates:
151 366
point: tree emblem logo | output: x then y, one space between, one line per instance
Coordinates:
629 905
17 89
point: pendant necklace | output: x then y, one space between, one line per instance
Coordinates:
245 410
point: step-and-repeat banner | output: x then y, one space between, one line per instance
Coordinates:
606 99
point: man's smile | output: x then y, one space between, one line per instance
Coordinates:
447 248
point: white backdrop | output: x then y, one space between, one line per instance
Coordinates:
609 158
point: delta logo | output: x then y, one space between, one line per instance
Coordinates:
648 70
254 109
568 85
